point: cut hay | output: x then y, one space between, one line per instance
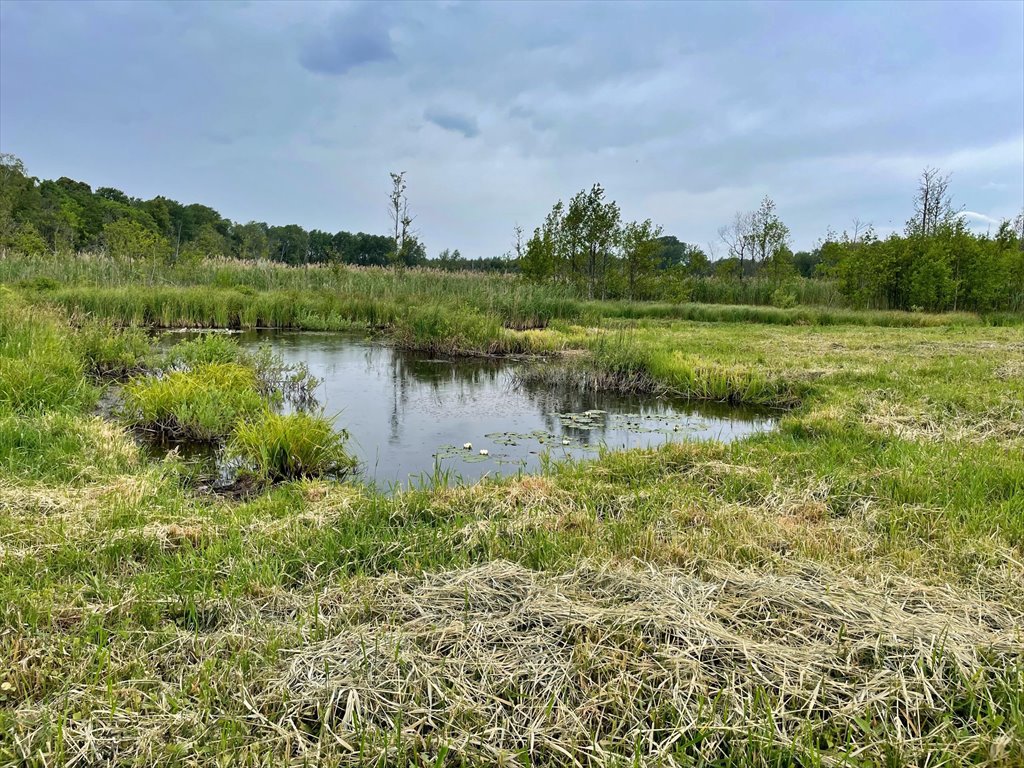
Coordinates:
1002 423
498 664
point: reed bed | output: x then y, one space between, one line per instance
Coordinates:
235 294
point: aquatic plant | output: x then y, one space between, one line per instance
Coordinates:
203 403
112 351
277 380
278 447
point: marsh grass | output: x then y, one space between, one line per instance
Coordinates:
112 351
457 313
202 404
633 362
39 371
845 590
276 380
277 447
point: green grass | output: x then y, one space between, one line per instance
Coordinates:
844 590
278 447
202 404
39 370
112 351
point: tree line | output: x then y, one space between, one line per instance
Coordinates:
935 264
65 215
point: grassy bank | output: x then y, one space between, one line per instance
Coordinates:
232 294
846 590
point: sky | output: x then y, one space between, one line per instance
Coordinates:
296 112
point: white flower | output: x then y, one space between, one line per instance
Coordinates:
566 441
467 446
483 451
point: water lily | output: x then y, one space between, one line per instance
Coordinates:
483 451
566 441
467 446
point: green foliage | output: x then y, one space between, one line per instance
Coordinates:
640 251
127 239
949 269
26 239
784 297
202 404
586 245
67 216
278 447
677 254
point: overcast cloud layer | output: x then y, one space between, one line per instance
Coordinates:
295 113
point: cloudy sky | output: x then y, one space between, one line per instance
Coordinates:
685 112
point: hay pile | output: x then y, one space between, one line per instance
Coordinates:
500 664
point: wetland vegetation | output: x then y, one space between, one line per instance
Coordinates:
835 578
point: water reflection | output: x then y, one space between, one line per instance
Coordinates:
409 415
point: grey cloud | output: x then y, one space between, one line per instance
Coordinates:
452 121
350 40
685 112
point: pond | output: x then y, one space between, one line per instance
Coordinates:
410 416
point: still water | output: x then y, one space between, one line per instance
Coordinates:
409 416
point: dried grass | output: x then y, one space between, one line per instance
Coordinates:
498 661
1003 423
1010 370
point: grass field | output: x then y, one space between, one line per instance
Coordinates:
845 590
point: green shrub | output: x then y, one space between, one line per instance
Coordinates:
202 404
784 298
279 447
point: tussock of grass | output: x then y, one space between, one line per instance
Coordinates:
201 404
278 447
276 380
112 351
